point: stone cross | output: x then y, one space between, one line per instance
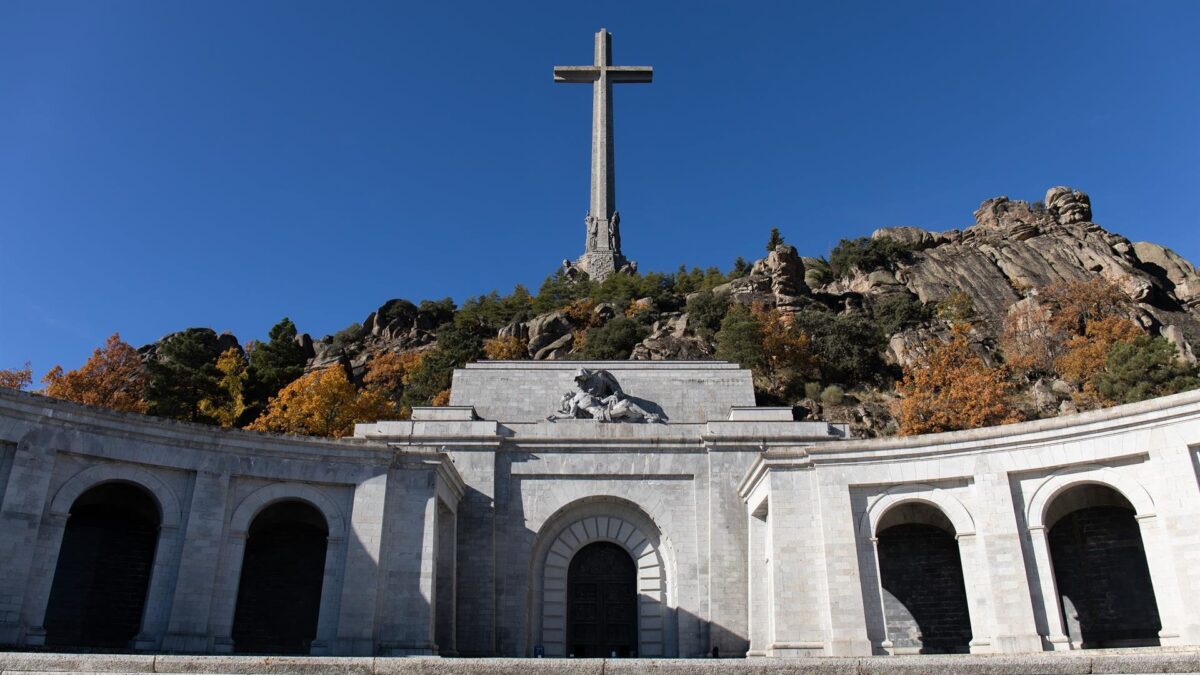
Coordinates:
602 250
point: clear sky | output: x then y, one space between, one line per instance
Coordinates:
224 164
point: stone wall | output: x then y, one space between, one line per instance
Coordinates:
750 534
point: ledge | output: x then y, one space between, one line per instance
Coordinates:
1154 660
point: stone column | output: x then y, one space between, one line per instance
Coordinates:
37 593
758 566
331 597
882 640
163 574
796 573
447 544
21 511
1013 628
409 558
360 597
727 574
226 590
476 593
187 627
1160 561
844 604
975 580
1056 630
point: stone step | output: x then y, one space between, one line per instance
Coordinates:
1085 662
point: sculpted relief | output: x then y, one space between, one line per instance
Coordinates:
597 396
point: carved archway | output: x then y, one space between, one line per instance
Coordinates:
618 522
1064 479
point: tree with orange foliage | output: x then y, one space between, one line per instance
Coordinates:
442 399
1053 329
323 403
114 378
506 348
952 388
1027 340
787 350
1085 355
17 378
1072 304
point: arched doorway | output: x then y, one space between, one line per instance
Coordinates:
1103 581
279 594
103 570
920 570
602 602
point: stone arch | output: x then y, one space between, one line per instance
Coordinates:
225 603
617 521
938 498
168 504
950 511
265 496
1064 479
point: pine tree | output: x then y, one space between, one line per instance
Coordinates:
776 240
184 372
740 339
275 364
1142 368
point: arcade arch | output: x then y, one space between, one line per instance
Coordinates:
105 562
575 530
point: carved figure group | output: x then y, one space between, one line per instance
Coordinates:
598 396
613 232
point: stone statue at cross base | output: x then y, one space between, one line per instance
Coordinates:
598 397
593 232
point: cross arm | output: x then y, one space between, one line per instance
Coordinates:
630 73
576 73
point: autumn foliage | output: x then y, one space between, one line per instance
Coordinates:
505 348
228 409
952 388
1086 355
787 350
114 378
323 403
17 378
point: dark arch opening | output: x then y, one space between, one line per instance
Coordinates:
1104 586
924 597
103 569
279 595
602 602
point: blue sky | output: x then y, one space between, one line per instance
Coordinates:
224 164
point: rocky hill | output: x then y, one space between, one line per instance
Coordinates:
996 265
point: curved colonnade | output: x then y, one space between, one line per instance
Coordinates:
470 537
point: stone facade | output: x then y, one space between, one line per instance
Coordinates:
453 533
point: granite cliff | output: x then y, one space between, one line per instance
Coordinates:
996 265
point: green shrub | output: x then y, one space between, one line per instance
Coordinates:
956 307
832 395
705 312
897 312
347 335
867 255
812 390
846 348
740 338
614 340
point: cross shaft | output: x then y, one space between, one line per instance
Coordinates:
602 208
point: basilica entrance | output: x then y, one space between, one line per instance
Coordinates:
602 602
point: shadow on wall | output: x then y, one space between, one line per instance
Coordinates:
113 588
